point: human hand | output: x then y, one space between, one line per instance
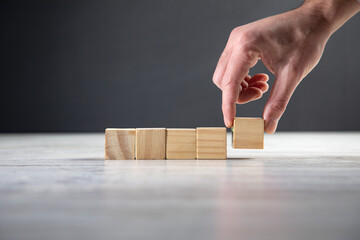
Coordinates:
289 44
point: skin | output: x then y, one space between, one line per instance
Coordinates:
289 44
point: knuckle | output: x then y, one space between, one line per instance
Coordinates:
242 37
216 79
226 79
235 32
249 55
279 105
247 38
228 82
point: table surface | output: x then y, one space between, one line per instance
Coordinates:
301 186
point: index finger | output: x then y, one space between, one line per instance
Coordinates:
236 71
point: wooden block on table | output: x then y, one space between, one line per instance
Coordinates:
248 133
211 143
180 143
119 143
150 143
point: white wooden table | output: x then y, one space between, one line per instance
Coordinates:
302 186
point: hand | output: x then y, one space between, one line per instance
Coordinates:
290 45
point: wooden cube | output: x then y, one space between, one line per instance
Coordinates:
150 143
180 143
248 133
119 143
211 143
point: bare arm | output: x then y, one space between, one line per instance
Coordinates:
290 45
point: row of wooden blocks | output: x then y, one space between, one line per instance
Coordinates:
182 143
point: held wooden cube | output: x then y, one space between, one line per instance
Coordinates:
150 143
211 143
248 133
119 143
180 143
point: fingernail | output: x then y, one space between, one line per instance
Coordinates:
270 126
228 124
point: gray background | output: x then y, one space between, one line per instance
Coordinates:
88 65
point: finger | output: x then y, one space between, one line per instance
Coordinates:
281 92
259 77
263 86
249 94
244 84
221 67
247 78
237 69
253 92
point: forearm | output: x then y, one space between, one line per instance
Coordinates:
332 14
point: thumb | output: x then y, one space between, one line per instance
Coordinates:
281 92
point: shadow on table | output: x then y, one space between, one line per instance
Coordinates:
86 159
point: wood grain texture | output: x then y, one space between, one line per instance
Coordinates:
150 143
181 143
119 143
248 133
211 143
303 185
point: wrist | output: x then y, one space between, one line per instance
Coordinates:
313 21
330 14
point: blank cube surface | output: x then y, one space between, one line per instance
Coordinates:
180 143
150 143
119 143
211 143
248 133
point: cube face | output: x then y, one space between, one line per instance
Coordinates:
150 143
180 143
211 143
119 143
248 133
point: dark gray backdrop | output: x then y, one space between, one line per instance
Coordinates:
85 65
